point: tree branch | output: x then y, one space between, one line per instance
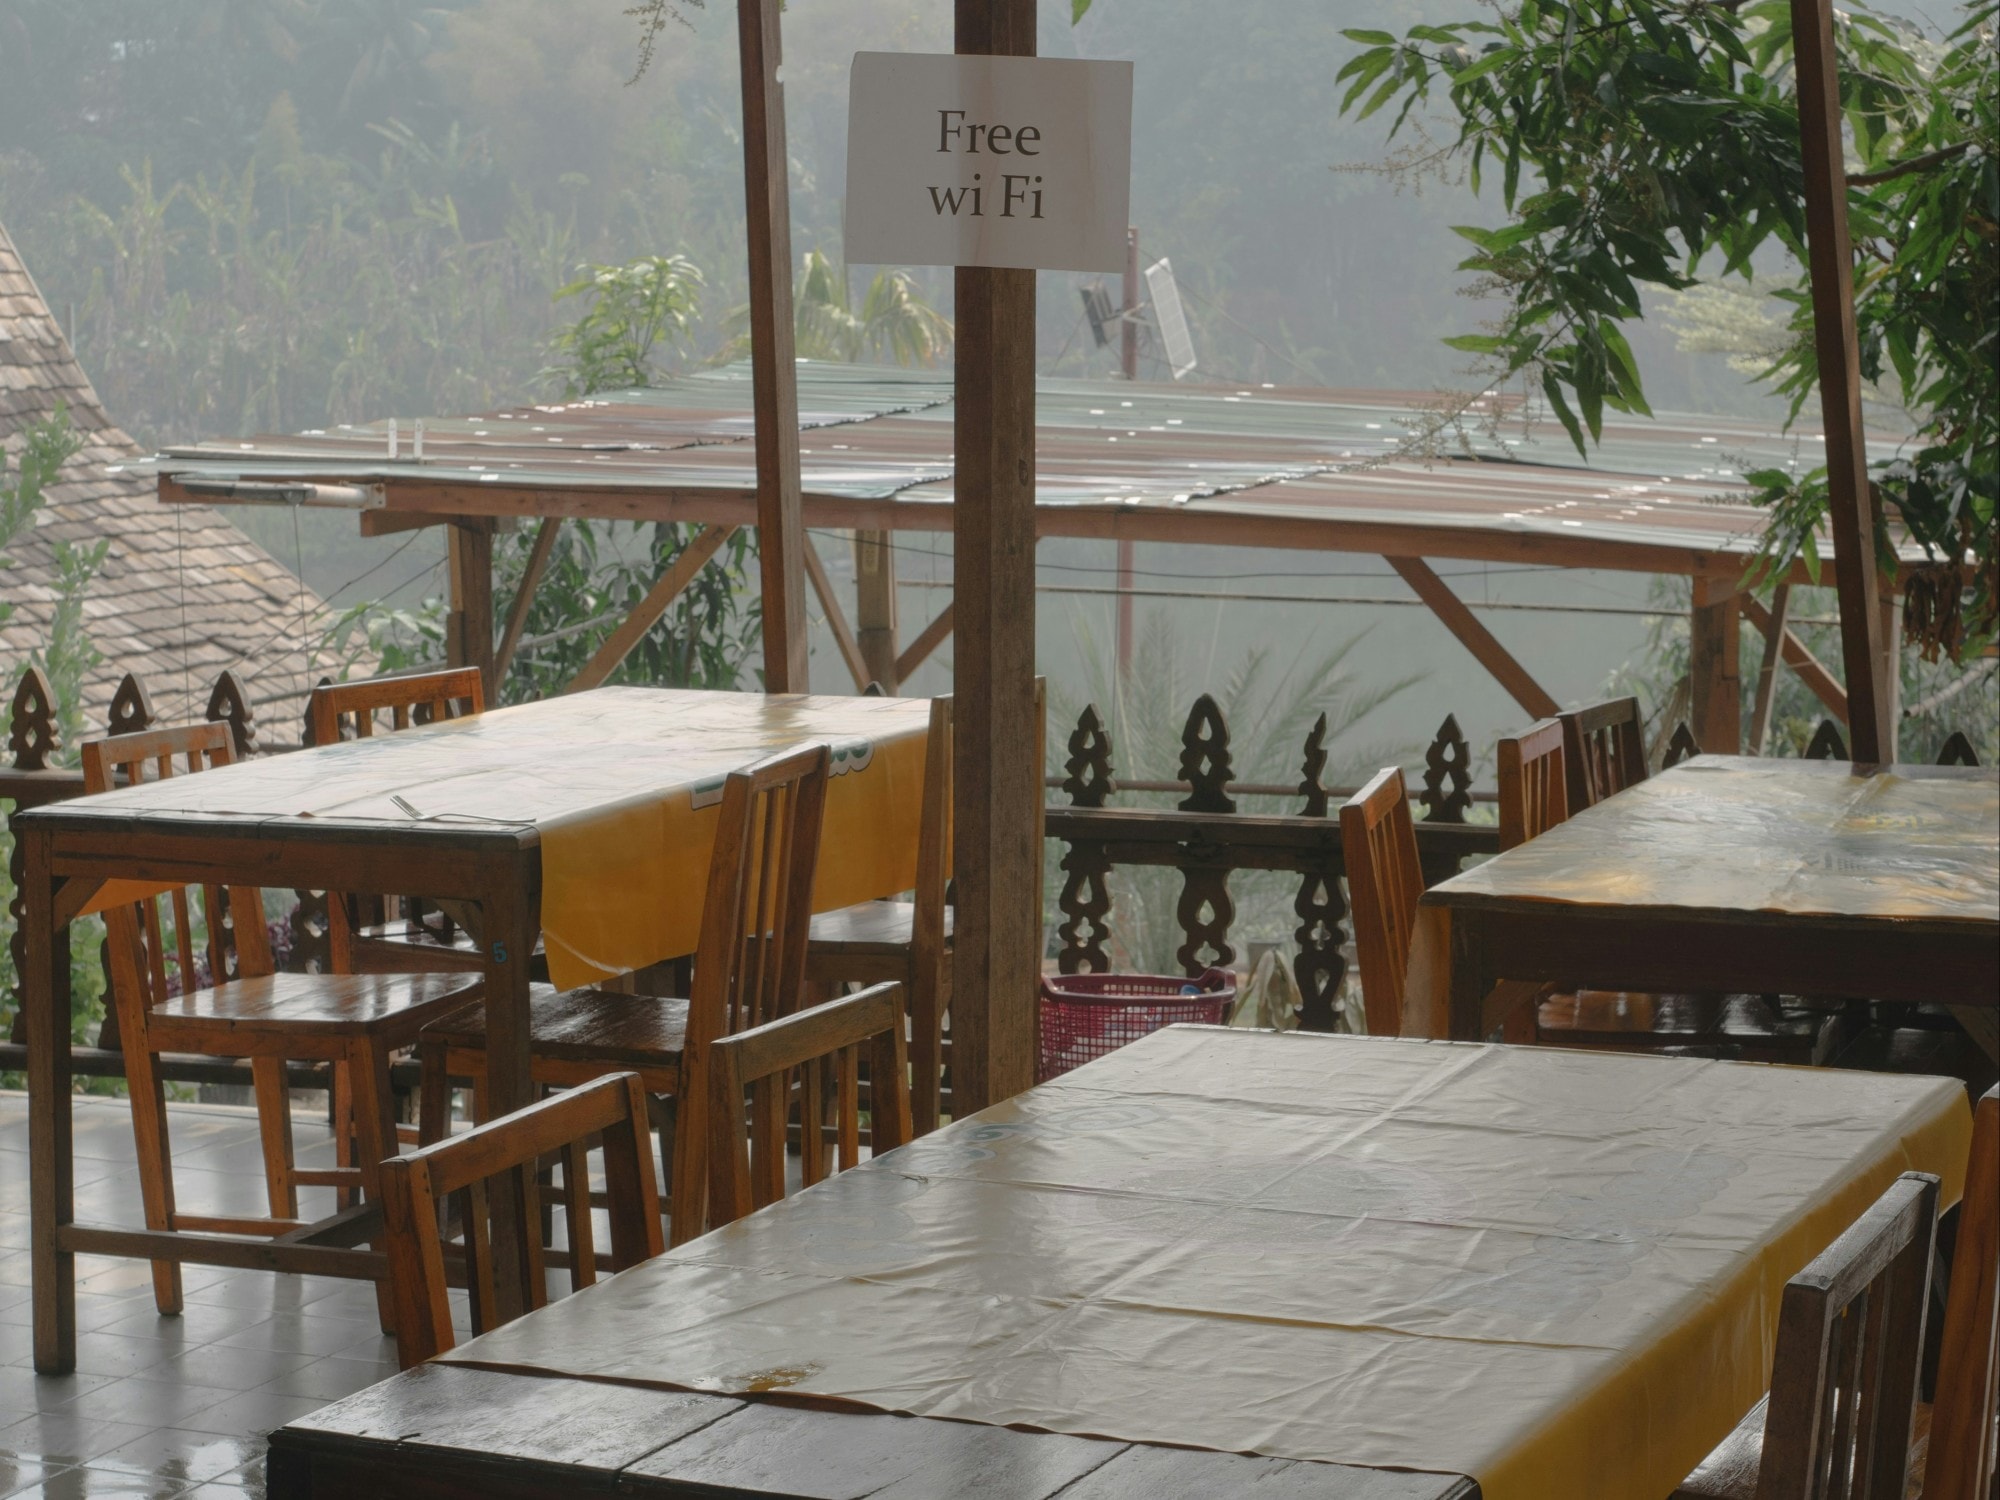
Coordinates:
1921 163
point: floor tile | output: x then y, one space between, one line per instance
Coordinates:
254 1413
302 1333
197 1323
23 1391
332 1379
151 1403
231 1369
189 1457
91 1483
112 1354
19 1473
65 1437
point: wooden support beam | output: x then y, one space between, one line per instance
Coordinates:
524 596
997 790
875 606
836 617
1774 628
773 378
632 629
1475 637
468 627
1811 671
1892 670
1850 495
928 640
1715 667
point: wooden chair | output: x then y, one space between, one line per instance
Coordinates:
245 1010
908 942
1534 796
759 883
363 936
612 1109
1838 1420
1534 782
1604 751
747 1149
1378 841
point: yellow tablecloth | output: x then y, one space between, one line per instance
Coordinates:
1557 1272
621 783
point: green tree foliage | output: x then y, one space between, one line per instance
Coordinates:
1642 143
632 308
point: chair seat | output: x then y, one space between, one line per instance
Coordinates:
297 1007
583 1026
1747 1024
869 927
1730 1470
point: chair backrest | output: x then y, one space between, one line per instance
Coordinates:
138 944
414 1188
1378 843
755 921
1534 789
747 1150
1604 750
1850 1338
1962 1457
417 698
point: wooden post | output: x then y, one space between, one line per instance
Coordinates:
1851 499
1715 671
875 605
468 627
996 786
773 379
1128 350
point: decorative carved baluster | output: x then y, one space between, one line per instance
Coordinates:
1085 901
1318 967
309 952
33 736
1957 751
131 707
1089 781
1447 775
1826 743
1205 763
229 704
1681 745
1205 909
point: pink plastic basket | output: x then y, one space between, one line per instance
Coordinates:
1088 1015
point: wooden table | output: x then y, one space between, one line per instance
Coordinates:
1728 873
615 778
1216 1262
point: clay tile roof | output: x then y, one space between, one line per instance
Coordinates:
181 595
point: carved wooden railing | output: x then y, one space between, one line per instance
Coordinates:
1206 838
30 779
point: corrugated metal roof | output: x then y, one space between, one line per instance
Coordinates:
1269 465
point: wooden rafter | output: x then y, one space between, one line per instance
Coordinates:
836 617
632 629
1475 637
1775 628
928 640
524 596
1811 672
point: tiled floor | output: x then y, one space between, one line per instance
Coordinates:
169 1406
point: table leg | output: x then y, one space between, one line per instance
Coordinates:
51 1161
1471 975
511 914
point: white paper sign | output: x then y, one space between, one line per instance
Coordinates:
988 161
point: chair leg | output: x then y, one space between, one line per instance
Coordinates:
274 1126
156 1165
343 1128
374 1118
433 1094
